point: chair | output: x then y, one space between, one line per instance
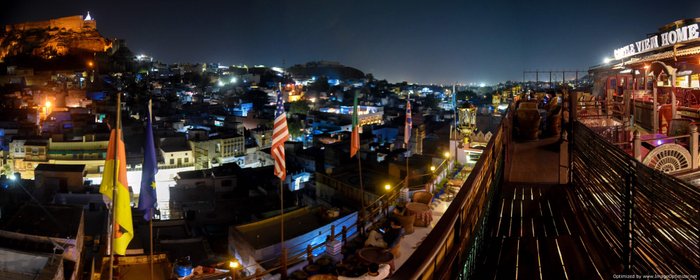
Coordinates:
554 121
528 124
422 197
527 105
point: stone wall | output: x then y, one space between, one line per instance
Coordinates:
75 23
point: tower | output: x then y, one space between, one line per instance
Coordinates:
89 22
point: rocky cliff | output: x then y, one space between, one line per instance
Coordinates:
51 43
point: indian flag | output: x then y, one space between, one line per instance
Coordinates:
355 138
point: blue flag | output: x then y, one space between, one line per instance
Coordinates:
148 197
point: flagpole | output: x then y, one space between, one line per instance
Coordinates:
150 234
408 141
114 188
354 150
454 118
362 192
150 209
283 260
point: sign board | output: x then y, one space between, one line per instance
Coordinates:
664 39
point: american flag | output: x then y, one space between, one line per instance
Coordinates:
409 124
280 134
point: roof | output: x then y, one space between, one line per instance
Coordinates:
24 265
174 144
60 167
60 221
265 233
227 169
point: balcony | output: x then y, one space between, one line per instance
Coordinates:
553 208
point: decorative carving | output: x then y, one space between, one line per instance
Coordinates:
668 158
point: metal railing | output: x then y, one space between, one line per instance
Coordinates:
648 221
452 246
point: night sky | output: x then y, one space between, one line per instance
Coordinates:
416 41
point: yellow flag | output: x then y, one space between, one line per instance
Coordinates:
123 228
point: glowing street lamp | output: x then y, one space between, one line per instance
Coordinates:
387 187
432 168
90 64
47 108
607 60
446 154
234 265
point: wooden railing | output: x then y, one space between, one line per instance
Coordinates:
450 250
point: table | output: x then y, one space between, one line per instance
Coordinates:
375 255
423 214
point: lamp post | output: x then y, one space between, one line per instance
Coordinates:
234 265
47 108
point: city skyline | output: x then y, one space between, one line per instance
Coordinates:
408 41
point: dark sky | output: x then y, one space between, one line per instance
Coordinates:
418 41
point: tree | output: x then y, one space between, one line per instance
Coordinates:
299 107
295 128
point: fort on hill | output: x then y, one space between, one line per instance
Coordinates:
52 38
73 23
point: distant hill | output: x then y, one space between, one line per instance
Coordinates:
52 39
330 70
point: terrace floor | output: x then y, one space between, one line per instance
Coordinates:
411 241
534 233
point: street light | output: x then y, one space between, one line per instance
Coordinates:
47 108
446 154
234 265
387 187
432 168
90 64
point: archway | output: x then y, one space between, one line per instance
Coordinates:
665 109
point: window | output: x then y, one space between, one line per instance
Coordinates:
172 161
187 160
